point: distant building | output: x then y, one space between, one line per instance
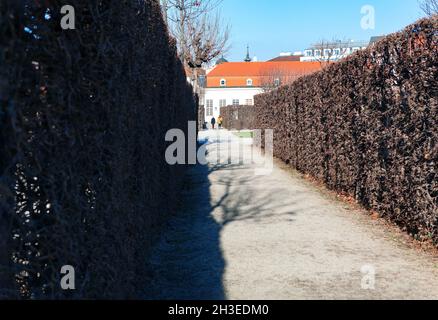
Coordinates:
288 56
376 39
221 60
236 83
332 51
335 50
248 58
197 81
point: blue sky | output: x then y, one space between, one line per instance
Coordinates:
273 26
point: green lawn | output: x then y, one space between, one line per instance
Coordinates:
244 134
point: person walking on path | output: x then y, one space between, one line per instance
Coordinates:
220 121
213 122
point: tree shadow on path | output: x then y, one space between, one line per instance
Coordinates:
188 264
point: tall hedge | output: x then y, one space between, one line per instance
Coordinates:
368 126
238 117
83 113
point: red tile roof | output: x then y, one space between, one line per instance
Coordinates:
236 74
286 58
238 69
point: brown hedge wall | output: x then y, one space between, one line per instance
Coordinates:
368 127
83 116
238 117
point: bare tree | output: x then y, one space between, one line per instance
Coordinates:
165 8
180 10
327 50
207 40
274 76
430 7
200 33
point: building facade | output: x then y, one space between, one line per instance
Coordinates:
335 50
236 83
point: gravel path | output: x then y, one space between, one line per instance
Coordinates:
276 236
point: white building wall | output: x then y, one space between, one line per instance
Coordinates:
311 56
228 94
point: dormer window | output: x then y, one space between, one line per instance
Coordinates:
223 83
249 82
327 52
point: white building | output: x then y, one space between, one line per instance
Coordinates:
216 98
236 83
335 50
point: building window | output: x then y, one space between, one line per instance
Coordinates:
317 53
337 52
236 102
202 81
249 82
209 110
249 102
223 83
327 52
308 53
222 103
